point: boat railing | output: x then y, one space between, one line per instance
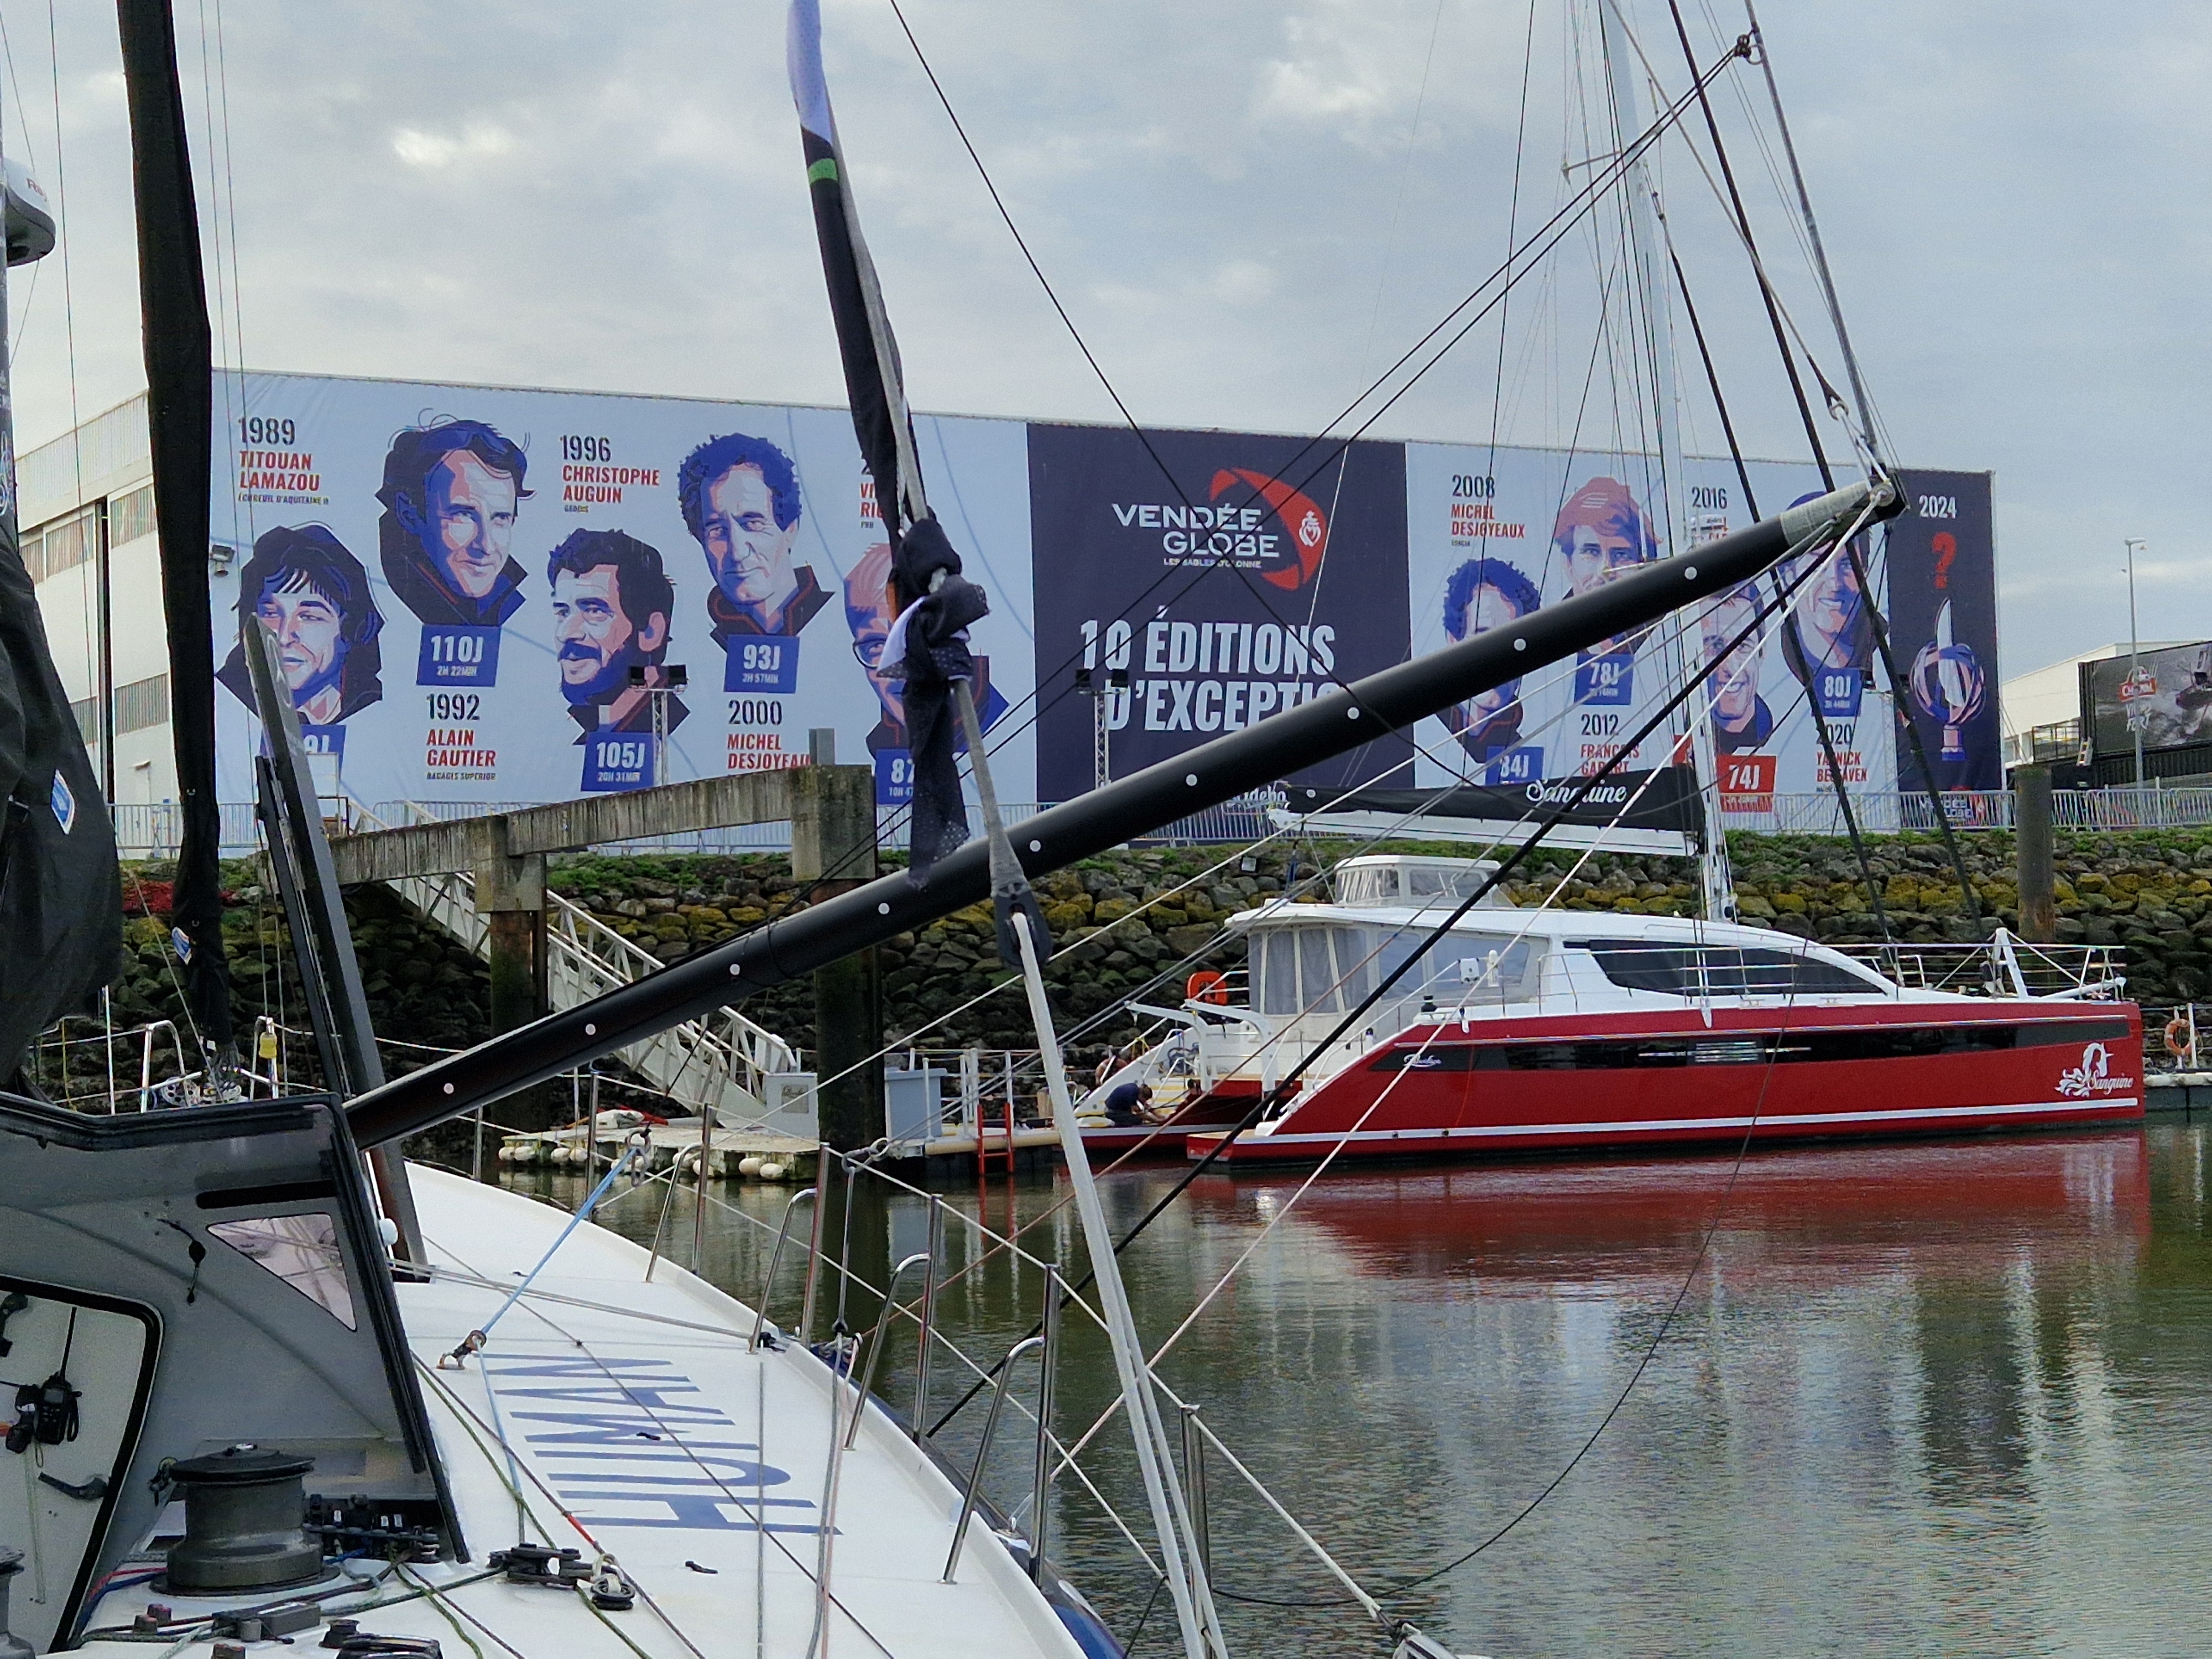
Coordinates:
58 1061
945 1263
2004 966
2177 1037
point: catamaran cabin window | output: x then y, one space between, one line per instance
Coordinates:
1367 883
1411 883
1313 969
1461 969
1721 970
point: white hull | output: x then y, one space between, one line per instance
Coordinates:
579 1392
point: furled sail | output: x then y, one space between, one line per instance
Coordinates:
934 604
180 407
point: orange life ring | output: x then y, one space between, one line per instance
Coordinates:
2178 1040
1206 986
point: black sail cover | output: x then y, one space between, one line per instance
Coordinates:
928 646
61 894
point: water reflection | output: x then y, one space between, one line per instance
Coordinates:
1915 1398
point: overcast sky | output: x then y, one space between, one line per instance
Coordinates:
1248 208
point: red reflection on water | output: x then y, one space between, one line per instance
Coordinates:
1795 1209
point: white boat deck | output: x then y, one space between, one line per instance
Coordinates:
699 1467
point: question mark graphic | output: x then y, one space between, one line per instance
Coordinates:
1946 548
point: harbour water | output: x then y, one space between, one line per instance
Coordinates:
1884 1399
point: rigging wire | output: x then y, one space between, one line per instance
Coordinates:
89 617
1651 1349
22 320
1582 201
1900 687
1771 616
1375 315
1281 1093
1512 225
1812 701
1777 608
1579 204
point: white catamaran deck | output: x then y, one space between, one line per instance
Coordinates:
643 1417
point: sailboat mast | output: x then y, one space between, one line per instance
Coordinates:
179 417
1648 249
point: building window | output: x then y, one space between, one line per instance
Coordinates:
138 705
130 516
61 543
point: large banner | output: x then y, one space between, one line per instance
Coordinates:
1943 628
1496 533
2166 694
490 596
1223 575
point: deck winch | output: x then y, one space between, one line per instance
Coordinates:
11 1563
245 1523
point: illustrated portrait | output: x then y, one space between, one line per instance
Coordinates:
312 595
740 497
1482 594
1741 720
451 493
1601 534
612 604
1830 626
868 614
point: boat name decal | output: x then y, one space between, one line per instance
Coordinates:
634 1443
1551 791
2093 1076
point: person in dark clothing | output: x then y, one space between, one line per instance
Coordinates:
1129 1106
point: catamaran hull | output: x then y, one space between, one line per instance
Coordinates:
1215 1112
1843 1072
1162 1140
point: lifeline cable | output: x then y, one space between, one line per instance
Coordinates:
1280 1095
1577 206
1398 1078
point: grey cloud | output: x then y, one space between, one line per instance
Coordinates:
571 194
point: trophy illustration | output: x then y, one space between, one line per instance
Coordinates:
1949 683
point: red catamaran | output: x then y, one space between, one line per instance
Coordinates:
1561 1029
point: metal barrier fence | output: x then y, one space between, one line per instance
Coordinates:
151 831
1887 813
154 831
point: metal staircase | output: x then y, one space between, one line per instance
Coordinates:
719 1064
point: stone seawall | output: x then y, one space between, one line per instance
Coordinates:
1130 916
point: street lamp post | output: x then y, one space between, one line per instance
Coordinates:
674 676
2137 717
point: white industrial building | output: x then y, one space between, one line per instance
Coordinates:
86 503
2042 708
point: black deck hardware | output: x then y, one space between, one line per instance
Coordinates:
536 1564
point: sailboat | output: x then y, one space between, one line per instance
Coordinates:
273 1385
